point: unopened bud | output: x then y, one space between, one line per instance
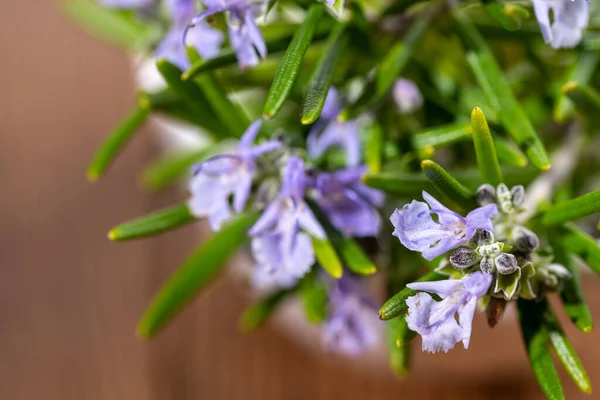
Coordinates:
486 194
487 265
462 258
484 237
506 263
525 239
518 195
504 199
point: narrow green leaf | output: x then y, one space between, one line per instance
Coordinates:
169 169
173 105
115 142
572 293
564 350
447 185
396 306
400 184
492 80
375 147
353 255
189 91
118 27
485 151
327 257
230 114
258 313
535 338
397 58
152 224
585 98
440 136
576 208
290 63
321 79
509 153
581 72
313 293
399 336
509 15
195 273
582 244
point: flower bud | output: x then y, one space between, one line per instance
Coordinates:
506 263
504 199
525 239
487 265
484 237
518 195
462 258
486 194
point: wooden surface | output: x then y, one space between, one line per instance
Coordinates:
69 299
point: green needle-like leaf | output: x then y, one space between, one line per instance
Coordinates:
581 72
585 98
570 210
327 257
582 244
288 69
313 293
229 113
399 337
195 273
400 184
375 145
118 27
509 153
152 224
322 77
257 314
171 168
187 90
485 151
564 350
396 306
438 136
492 80
115 142
397 58
447 185
509 15
572 293
535 338
353 255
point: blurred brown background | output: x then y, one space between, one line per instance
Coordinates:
70 300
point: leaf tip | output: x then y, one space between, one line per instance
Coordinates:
112 235
267 116
306 120
142 333
545 167
569 87
186 75
93 175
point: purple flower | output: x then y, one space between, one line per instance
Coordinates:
206 40
126 3
244 35
570 17
407 96
348 203
435 321
219 177
283 253
419 232
353 326
328 132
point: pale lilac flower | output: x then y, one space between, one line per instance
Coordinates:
244 35
206 40
407 96
352 326
126 3
417 230
282 250
328 132
349 205
435 321
570 18
219 177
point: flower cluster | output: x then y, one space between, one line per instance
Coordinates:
487 255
